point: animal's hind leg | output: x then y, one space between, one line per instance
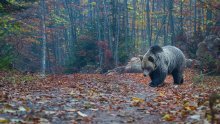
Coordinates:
177 76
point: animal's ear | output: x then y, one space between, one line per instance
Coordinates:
151 59
156 49
141 57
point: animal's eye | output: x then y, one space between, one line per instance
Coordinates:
151 59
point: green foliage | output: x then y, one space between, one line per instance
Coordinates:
6 56
9 6
208 62
1 7
124 55
198 78
57 20
86 52
7 26
130 8
16 77
93 3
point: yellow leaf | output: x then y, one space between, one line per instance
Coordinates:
168 117
190 108
4 120
209 117
186 103
161 94
139 100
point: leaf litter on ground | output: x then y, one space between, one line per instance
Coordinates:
99 98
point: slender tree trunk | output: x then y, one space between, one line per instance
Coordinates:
195 16
181 17
190 22
67 50
148 22
44 47
209 20
105 21
199 19
90 13
114 29
143 33
73 35
110 32
153 22
117 40
203 17
164 27
117 32
99 34
133 22
126 25
171 20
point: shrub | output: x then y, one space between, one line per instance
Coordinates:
6 56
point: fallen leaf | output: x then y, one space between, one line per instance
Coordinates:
161 94
136 99
9 111
195 117
70 109
94 109
21 108
16 120
168 117
4 120
49 112
147 112
82 114
190 108
44 121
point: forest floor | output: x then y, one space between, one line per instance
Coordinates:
108 99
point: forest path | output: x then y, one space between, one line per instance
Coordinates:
96 98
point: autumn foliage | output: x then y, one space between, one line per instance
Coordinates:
96 98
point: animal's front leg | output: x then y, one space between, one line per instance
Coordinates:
157 79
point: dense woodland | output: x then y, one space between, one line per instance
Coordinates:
65 36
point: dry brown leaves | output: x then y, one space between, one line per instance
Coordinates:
113 98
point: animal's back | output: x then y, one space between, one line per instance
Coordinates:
175 57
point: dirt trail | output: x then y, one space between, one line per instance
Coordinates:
79 98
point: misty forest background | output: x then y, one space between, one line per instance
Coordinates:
67 36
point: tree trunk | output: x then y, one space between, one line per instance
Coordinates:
99 34
171 20
126 25
148 22
195 17
181 17
209 20
164 27
44 47
73 35
133 35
